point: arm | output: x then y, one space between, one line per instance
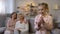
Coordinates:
26 27
36 23
49 24
8 25
17 25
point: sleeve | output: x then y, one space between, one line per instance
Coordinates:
8 25
17 25
26 27
35 23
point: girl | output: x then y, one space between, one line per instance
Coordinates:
43 21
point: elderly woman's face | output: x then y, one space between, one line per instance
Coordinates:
41 9
20 16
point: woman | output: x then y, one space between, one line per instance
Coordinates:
21 26
11 23
43 21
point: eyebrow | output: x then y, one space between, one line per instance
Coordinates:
40 9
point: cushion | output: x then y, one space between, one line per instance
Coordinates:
31 25
2 29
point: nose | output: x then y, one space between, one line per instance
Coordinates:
40 12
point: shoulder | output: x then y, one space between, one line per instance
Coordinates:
25 20
18 22
50 17
9 19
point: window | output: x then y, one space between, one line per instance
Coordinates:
2 7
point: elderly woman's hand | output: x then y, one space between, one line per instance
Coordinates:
18 29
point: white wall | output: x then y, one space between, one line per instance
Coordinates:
51 3
10 6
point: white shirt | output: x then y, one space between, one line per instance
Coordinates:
21 26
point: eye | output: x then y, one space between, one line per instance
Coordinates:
40 9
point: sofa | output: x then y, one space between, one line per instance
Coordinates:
3 20
2 23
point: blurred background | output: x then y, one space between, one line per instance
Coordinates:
28 8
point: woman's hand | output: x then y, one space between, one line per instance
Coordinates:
18 29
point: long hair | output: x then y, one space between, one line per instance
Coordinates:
12 14
45 6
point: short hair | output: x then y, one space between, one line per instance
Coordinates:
21 14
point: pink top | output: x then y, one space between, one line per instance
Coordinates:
47 19
11 24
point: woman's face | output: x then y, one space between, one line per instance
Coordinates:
41 9
14 16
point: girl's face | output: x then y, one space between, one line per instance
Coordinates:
41 9
14 15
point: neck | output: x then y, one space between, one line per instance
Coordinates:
21 20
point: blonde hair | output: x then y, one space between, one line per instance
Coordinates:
45 6
21 14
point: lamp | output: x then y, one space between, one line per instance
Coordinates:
56 6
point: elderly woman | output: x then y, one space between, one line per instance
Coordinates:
43 21
11 23
21 26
